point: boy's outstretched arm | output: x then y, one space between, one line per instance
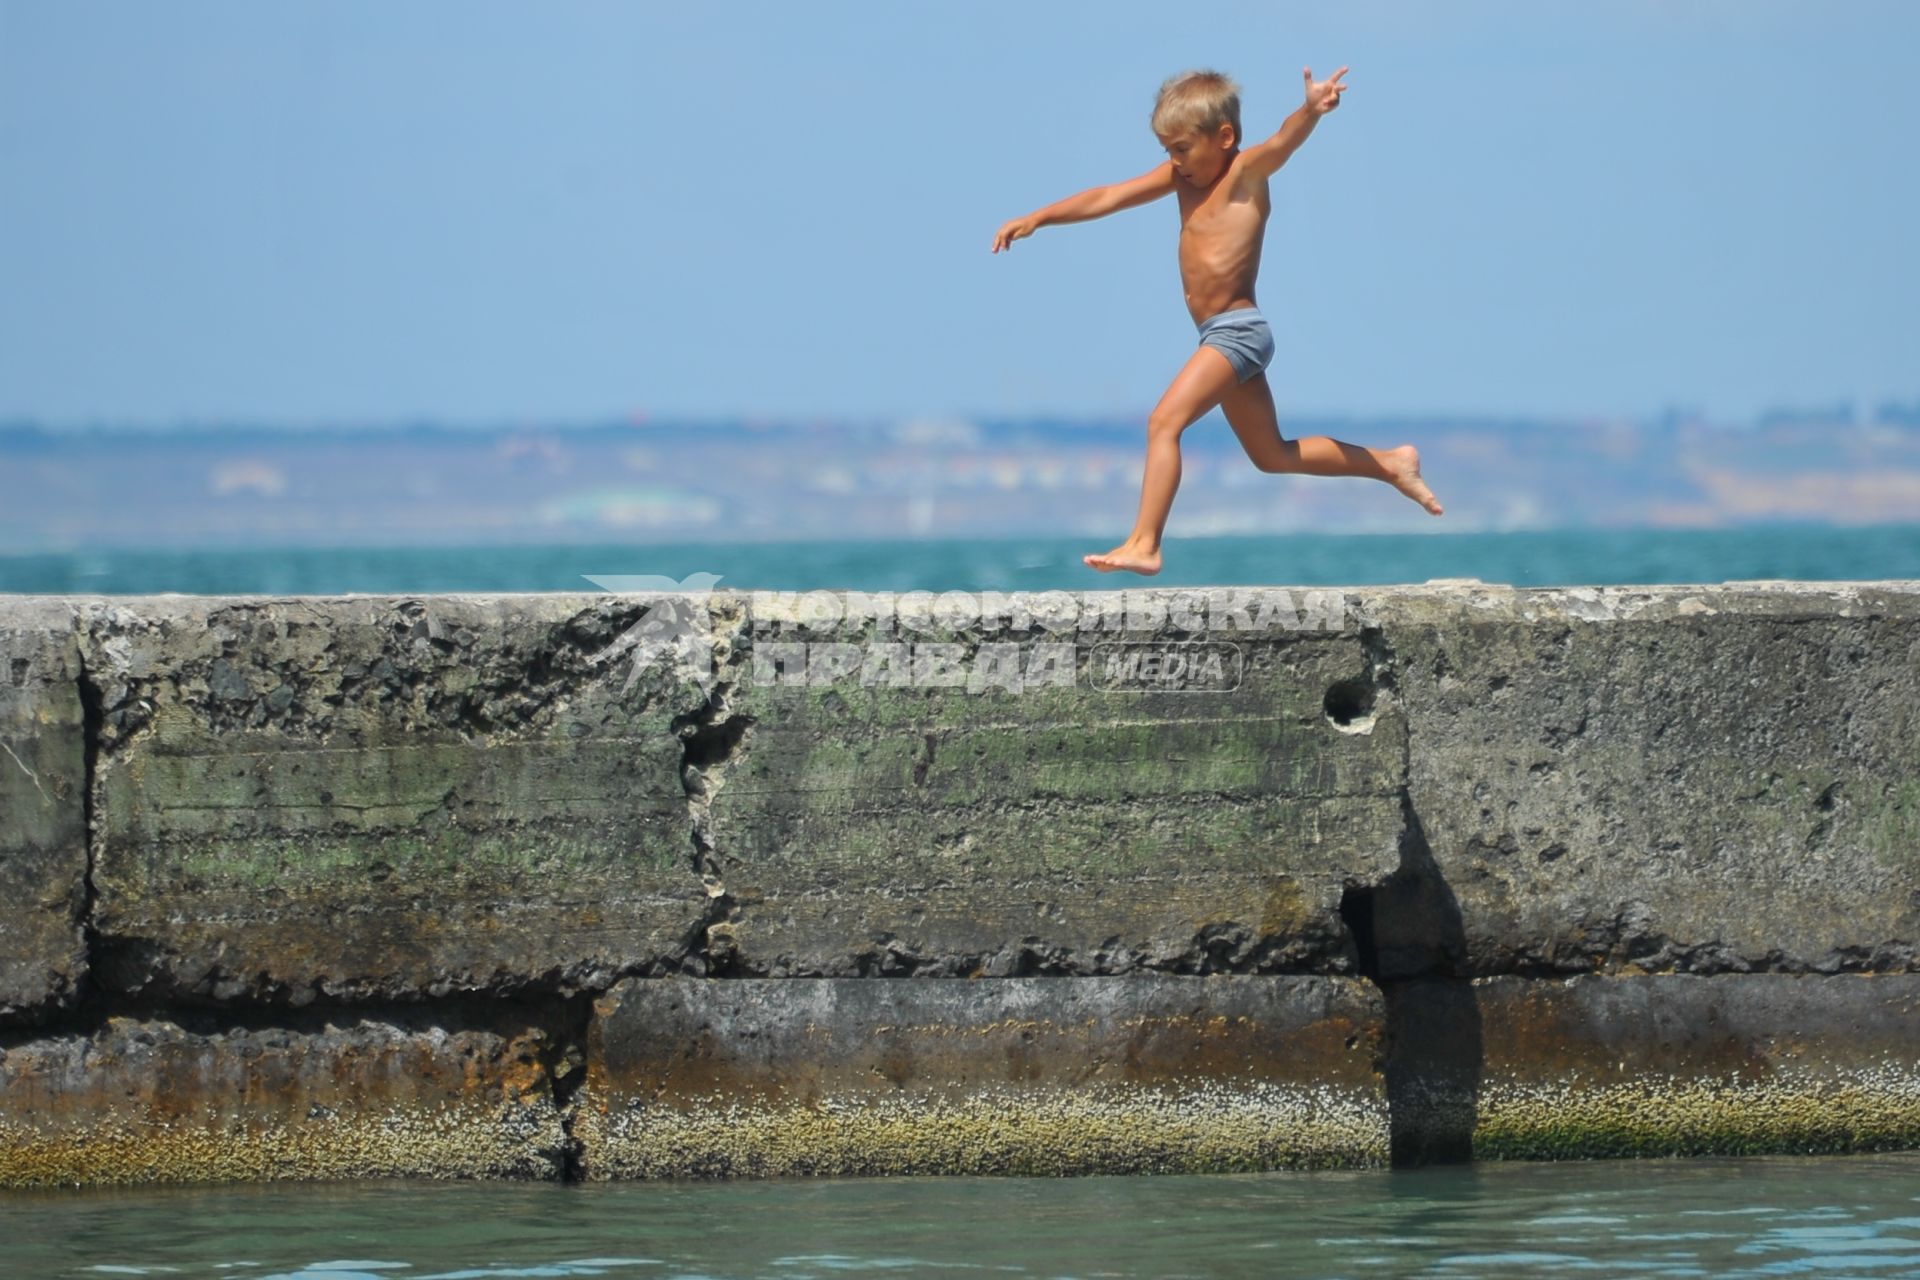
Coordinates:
1264 159
1095 202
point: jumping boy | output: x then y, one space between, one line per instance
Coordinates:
1223 216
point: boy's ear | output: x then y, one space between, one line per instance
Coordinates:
1226 134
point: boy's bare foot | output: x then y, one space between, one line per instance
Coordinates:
1126 556
1403 466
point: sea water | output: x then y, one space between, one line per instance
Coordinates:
1848 1216
1523 559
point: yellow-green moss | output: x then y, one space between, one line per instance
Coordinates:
1874 1110
1211 1129
511 1141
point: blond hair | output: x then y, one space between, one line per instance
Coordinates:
1202 100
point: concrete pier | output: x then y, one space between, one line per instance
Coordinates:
744 884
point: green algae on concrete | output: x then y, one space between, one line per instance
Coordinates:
861 825
387 797
1876 1109
1889 819
43 832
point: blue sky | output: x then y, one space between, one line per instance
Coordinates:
365 211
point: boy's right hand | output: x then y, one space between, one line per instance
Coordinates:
1018 229
1323 96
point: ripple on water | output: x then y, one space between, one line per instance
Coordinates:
1669 1218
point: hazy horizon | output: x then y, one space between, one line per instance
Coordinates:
1895 410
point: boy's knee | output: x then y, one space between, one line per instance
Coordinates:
1166 424
1280 460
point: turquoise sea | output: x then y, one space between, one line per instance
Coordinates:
1533 558
1833 1217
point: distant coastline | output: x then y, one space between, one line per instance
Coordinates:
725 480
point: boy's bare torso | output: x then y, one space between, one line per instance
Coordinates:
1221 230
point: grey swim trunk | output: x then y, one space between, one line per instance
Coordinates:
1242 336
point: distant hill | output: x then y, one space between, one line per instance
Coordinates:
221 485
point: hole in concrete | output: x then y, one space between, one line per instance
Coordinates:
1349 705
710 743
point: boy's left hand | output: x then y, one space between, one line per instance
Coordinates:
1324 96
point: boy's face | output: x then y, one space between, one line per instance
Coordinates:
1199 157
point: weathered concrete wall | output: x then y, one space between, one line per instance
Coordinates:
870 827
43 811
367 798
1698 780
1683 1065
146 1100
627 857
1018 1075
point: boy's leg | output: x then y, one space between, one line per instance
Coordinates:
1250 412
1198 387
